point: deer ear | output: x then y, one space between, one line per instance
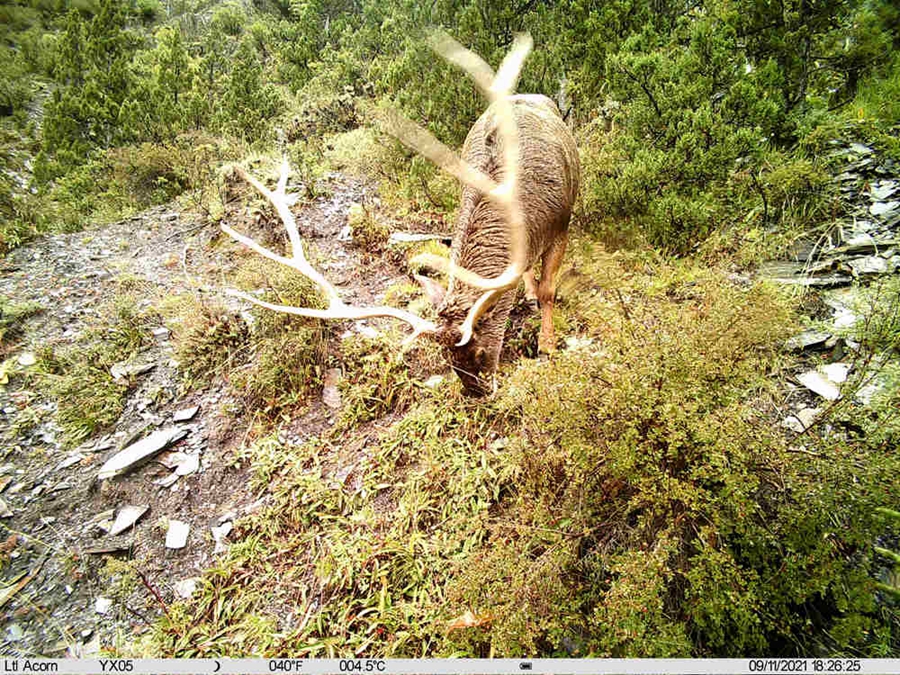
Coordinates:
433 289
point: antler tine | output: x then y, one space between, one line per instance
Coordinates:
336 308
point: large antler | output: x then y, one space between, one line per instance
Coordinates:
497 88
336 308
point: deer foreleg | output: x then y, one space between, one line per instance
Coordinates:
531 288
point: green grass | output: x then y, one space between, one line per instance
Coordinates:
78 377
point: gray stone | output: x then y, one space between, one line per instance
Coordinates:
808 339
861 149
125 369
127 517
802 419
69 461
883 189
793 273
177 534
102 605
168 481
190 465
872 264
185 589
835 372
220 534
881 208
819 384
140 452
185 414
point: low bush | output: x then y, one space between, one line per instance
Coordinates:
209 340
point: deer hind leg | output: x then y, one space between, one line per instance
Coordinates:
546 292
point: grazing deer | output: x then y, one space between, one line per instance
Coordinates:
520 172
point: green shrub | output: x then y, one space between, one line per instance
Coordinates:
282 370
209 340
286 355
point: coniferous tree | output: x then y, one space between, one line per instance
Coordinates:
93 71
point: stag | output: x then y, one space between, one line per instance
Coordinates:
520 172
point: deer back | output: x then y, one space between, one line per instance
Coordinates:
548 185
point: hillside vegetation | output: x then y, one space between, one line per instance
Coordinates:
633 495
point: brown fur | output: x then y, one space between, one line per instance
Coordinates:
548 185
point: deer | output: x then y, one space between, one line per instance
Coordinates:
520 175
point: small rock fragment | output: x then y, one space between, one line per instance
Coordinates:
872 264
190 465
802 419
808 339
880 208
69 461
185 588
861 149
4 510
127 517
14 632
102 605
26 359
169 480
883 189
433 382
185 414
177 535
125 369
103 521
219 534
836 372
819 384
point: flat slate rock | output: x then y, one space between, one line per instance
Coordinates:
786 272
185 414
176 536
127 516
819 384
140 452
808 339
880 208
872 264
